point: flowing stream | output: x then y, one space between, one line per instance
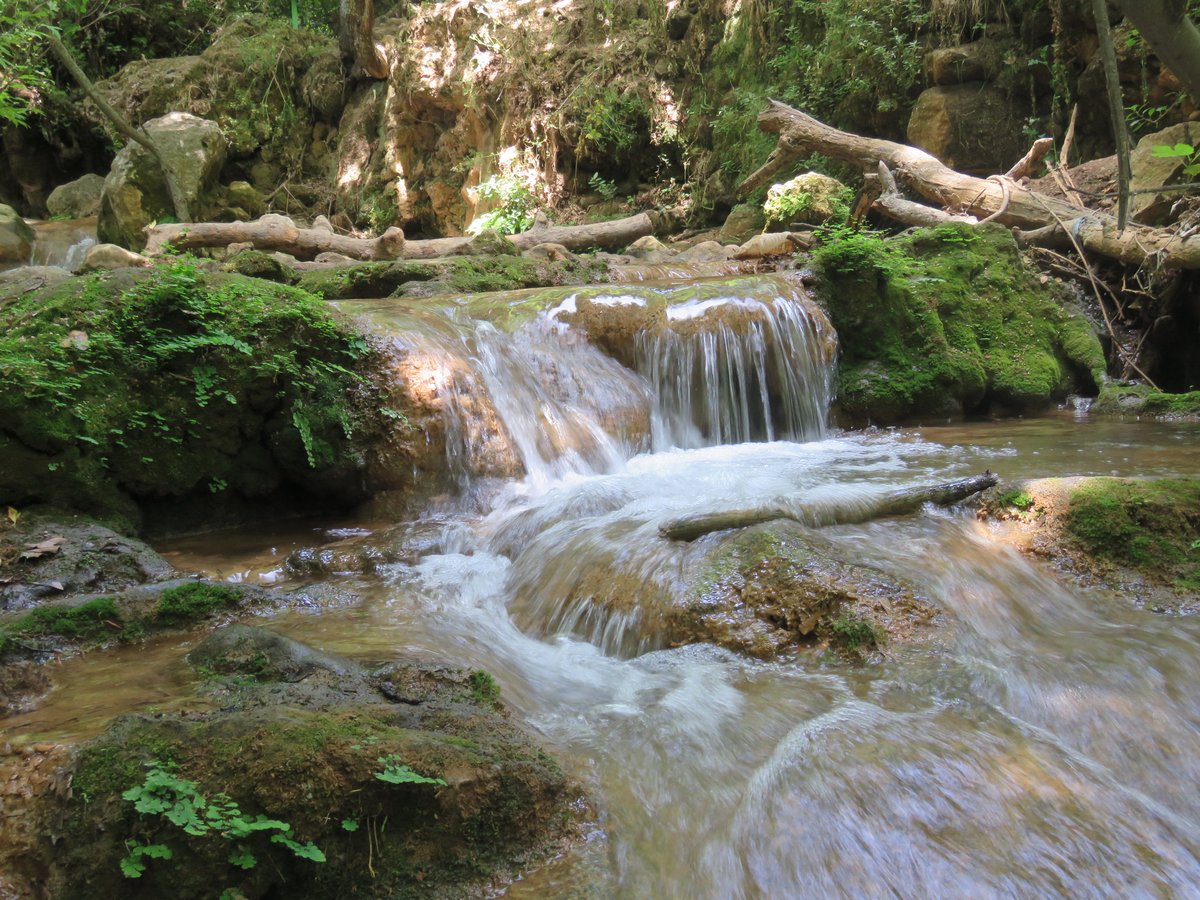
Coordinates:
1045 741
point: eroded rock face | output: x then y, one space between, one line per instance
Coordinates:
135 193
317 743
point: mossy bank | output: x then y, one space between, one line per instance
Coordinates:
139 390
949 321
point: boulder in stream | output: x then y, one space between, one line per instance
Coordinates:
76 199
16 238
308 780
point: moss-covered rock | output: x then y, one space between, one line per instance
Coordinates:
257 264
134 387
1135 537
1139 400
947 321
435 794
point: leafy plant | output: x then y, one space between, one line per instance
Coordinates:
515 212
853 631
396 772
602 186
1186 152
846 250
177 800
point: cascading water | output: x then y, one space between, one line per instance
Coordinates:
1040 743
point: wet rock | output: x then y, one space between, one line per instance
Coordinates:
1149 171
76 199
16 238
468 798
135 193
105 257
43 558
16 283
1139 399
970 127
649 248
406 543
706 251
263 655
1131 537
22 684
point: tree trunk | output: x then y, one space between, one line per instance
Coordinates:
178 198
817 515
1116 108
997 198
273 232
356 27
1173 36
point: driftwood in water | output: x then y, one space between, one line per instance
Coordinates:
272 232
893 503
998 198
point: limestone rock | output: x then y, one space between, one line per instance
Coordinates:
16 238
707 251
743 222
647 247
76 199
810 198
135 194
109 256
780 243
969 127
1150 171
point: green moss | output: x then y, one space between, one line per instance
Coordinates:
95 620
172 382
484 688
188 602
1145 525
853 632
947 321
1017 498
1144 400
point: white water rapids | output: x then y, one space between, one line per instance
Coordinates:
1045 742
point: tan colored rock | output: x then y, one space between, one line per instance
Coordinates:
1150 171
969 127
648 247
777 243
103 257
708 251
976 61
743 222
135 194
549 252
76 199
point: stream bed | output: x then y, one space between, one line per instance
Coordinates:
1041 741
1037 746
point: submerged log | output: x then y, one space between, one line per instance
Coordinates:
274 232
996 199
817 515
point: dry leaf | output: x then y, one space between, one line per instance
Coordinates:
48 547
13 515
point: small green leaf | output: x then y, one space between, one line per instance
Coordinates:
243 858
350 824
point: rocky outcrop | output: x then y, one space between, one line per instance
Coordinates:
77 199
135 194
16 238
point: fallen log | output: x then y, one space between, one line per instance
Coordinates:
1002 198
274 232
821 514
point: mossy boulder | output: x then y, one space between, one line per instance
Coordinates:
1139 400
808 199
437 794
1134 537
140 388
16 238
948 321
